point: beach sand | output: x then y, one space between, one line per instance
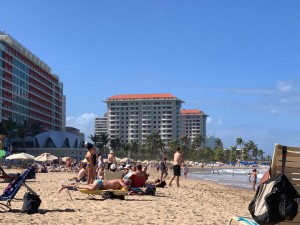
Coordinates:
194 202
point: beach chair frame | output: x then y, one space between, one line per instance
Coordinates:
20 181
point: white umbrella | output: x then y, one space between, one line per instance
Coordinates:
127 160
21 156
45 157
64 159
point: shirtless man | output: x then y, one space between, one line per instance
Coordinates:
178 161
99 185
111 159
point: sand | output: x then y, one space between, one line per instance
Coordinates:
194 202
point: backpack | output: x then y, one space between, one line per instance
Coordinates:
31 203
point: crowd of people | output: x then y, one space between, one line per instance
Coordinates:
91 173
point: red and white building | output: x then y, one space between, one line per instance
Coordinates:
29 91
193 122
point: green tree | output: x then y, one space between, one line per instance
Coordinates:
103 137
23 130
197 142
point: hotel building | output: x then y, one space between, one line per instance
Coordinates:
134 116
29 91
193 122
101 125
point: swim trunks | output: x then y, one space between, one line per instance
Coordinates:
176 170
99 184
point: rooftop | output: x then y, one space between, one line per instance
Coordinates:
142 96
190 111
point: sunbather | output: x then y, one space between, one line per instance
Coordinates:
99 185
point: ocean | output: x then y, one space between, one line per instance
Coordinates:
233 177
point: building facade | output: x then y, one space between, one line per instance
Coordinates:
134 116
101 125
192 123
29 91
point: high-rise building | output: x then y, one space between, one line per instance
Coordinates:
193 122
134 116
29 90
101 125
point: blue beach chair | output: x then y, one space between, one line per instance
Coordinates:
12 189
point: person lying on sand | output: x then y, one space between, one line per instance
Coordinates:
99 185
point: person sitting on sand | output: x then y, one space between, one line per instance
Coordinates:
139 171
82 174
100 185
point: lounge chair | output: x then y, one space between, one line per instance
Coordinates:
12 189
291 170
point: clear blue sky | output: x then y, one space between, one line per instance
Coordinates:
238 61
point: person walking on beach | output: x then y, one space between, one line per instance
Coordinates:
164 168
254 178
178 161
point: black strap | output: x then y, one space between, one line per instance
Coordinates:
284 152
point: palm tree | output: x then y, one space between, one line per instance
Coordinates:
103 138
197 141
36 128
185 142
251 147
95 139
239 142
10 127
23 130
219 143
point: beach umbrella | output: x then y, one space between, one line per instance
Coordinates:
21 156
127 159
45 157
2 153
64 159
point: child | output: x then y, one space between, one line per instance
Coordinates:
185 171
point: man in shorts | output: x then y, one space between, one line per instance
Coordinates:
178 161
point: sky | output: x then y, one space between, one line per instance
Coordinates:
237 61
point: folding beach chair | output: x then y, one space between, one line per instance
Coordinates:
291 168
12 189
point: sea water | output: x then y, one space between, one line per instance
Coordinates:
235 177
